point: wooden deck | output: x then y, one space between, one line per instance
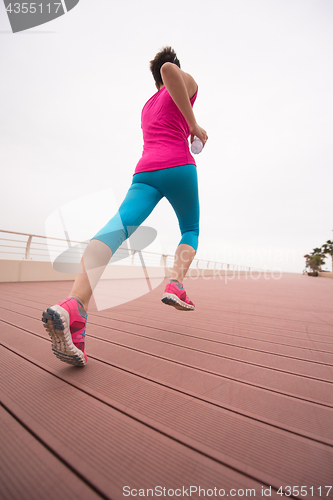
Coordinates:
237 395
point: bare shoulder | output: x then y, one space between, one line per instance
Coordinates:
190 83
172 69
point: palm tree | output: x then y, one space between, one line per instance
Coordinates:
317 252
327 249
315 259
314 262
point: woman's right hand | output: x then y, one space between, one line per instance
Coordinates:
200 133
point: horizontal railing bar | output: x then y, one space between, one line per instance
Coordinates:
62 239
133 252
11 246
15 241
37 236
15 253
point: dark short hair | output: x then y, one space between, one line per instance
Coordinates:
167 54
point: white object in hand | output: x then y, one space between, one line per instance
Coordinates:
196 146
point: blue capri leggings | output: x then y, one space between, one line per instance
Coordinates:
180 187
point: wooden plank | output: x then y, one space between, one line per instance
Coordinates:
212 382
221 434
109 448
28 470
151 355
264 406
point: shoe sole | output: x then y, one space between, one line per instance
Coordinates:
172 300
56 323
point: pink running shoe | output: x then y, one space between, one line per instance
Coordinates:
175 295
66 324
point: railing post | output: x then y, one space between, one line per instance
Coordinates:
163 263
163 260
27 248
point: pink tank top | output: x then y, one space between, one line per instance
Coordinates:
165 134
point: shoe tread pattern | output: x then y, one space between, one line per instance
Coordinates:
61 348
174 301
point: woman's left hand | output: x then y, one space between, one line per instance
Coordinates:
199 132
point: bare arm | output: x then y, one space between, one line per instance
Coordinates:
181 86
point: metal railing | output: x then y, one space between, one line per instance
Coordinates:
36 247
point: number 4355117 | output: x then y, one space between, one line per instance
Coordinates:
304 491
33 8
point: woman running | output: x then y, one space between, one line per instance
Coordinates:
166 169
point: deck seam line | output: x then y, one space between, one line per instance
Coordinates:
210 331
211 354
208 340
221 343
228 312
243 329
50 371
56 454
197 368
164 433
220 356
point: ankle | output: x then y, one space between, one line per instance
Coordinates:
77 297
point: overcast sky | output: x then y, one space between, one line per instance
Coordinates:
71 97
